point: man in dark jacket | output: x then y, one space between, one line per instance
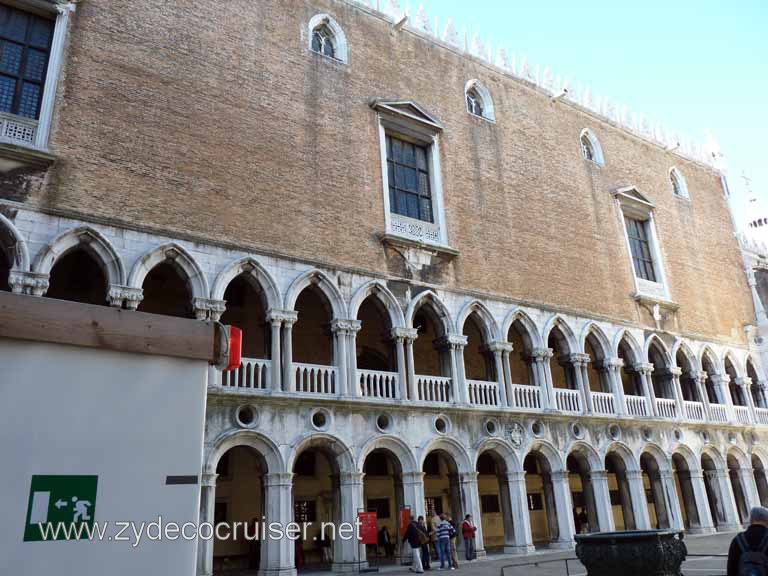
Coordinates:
754 539
415 536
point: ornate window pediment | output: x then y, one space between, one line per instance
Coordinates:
408 110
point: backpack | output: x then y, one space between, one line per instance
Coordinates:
753 562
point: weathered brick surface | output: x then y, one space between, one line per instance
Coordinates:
213 119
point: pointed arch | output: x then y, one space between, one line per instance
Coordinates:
679 185
626 336
326 286
437 304
654 340
379 290
255 271
261 443
453 448
682 346
526 322
729 356
92 241
178 255
19 257
709 354
489 325
559 322
399 449
328 24
592 329
590 147
479 101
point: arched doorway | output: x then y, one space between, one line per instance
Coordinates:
442 490
167 291
479 364
246 309
78 277
714 492
375 351
524 390
585 506
620 493
383 494
760 479
686 493
497 516
431 356
656 499
738 487
542 507
314 352
240 499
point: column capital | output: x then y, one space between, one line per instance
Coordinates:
516 477
413 478
675 371
643 368
345 325
580 359
207 479
454 341
634 474
500 346
351 478
542 354
278 479
559 476
131 296
744 382
405 333
32 283
205 307
289 317
613 363
598 475
468 478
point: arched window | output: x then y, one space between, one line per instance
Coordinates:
327 38
679 187
478 100
590 147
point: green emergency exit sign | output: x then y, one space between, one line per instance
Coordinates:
60 501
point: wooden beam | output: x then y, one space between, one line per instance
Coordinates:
62 322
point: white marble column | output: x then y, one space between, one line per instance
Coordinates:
289 378
521 520
340 329
674 508
348 553
602 493
277 555
678 391
455 344
275 319
507 374
402 370
721 382
564 508
540 357
746 389
413 493
353 384
471 499
722 481
701 386
645 370
580 363
706 514
499 349
639 504
207 508
614 366
410 336
749 486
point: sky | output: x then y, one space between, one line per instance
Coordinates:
693 66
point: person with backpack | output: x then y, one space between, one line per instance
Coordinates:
748 554
416 538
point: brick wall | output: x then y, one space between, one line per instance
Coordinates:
214 120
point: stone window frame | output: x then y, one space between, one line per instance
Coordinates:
394 118
678 183
597 150
633 204
340 45
486 100
62 11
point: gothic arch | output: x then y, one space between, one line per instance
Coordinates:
484 95
528 324
324 283
256 272
93 242
650 341
600 336
681 345
451 447
396 446
594 144
437 304
341 48
175 253
488 324
378 289
558 322
631 341
730 356
714 359
20 260
259 442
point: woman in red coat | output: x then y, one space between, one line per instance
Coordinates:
468 530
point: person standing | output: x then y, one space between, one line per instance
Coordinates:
748 554
435 521
444 530
427 530
415 537
468 530
454 542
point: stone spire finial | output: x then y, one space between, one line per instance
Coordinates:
502 60
450 34
422 20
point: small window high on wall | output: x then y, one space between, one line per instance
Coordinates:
326 37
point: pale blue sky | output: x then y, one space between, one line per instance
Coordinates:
694 66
